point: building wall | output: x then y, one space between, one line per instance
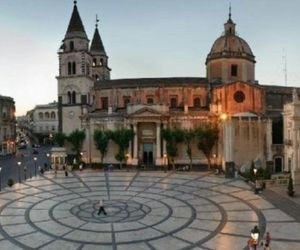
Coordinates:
7 126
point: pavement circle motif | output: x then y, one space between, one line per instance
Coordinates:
118 211
145 211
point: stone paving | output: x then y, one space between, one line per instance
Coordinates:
146 211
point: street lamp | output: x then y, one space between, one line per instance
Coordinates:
0 177
35 159
25 168
19 166
48 155
255 189
165 162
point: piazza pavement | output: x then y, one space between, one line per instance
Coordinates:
145 211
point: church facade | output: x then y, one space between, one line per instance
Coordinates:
89 100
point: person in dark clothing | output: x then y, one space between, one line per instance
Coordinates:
101 207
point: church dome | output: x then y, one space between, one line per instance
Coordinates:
230 45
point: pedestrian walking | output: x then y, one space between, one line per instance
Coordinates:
268 238
101 207
66 170
255 236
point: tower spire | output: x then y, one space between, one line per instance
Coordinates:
229 10
75 27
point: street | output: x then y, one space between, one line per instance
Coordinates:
28 167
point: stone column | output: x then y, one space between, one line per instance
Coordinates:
158 142
164 141
135 145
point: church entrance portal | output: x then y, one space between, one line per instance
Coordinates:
148 154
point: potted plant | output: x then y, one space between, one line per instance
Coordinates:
291 187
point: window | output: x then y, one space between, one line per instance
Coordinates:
69 97
104 102
197 102
234 70
173 102
277 130
97 77
94 62
73 97
53 115
47 115
101 62
126 100
150 100
73 68
71 45
41 116
239 96
69 68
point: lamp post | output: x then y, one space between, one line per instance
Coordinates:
48 155
0 177
19 166
35 159
165 162
255 189
25 168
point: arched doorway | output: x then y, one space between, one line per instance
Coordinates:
278 164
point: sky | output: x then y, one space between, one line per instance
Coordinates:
143 38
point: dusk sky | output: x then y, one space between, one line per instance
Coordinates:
143 38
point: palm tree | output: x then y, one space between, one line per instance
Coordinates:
207 137
76 138
122 138
101 139
59 139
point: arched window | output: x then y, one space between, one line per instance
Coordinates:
101 62
173 102
41 116
197 102
73 68
47 115
126 100
69 68
94 62
69 97
73 97
97 77
71 45
150 100
53 115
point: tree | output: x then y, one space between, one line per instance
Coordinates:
76 138
101 139
188 136
291 187
59 139
122 137
207 137
172 137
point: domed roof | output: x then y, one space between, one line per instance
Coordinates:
230 45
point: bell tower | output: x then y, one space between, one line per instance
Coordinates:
100 69
75 79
